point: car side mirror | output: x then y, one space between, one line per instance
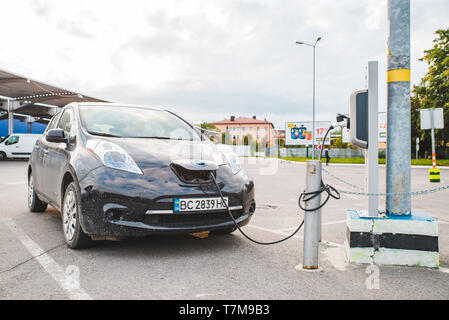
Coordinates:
56 135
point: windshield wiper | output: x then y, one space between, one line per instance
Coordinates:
103 134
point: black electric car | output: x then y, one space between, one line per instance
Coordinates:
117 170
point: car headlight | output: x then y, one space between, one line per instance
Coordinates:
113 156
231 158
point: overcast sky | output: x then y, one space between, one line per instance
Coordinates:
207 60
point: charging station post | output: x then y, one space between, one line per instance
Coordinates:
312 218
401 237
372 153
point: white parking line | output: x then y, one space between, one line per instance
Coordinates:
282 233
274 231
323 224
56 272
14 183
445 270
333 222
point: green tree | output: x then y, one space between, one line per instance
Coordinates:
208 126
433 91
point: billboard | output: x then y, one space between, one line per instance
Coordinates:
383 127
300 133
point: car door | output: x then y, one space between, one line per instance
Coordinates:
12 146
37 157
55 158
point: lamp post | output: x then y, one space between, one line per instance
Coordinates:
313 129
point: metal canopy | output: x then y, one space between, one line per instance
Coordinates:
26 97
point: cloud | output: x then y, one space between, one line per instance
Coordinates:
40 8
74 28
208 59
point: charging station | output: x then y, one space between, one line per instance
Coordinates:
400 236
388 239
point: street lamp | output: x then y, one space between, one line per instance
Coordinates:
313 132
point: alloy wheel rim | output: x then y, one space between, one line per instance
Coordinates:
30 192
69 215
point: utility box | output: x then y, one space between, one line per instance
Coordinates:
358 115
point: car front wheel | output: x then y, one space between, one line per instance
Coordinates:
34 203
73 233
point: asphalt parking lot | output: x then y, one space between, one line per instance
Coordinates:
34 258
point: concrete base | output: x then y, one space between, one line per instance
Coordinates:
392 240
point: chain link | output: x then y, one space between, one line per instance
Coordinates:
343 181
414 193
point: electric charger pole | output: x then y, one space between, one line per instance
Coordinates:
312 219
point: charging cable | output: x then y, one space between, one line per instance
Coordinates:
241 231
304 197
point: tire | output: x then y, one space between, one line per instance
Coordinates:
34 203
3 156
74 235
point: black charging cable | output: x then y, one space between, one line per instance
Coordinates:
241 231
305 196
330 190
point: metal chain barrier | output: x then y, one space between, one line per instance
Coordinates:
342 181
414 193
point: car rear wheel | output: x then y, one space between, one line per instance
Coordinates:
34 203
73 233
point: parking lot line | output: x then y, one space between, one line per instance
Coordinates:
323 224
445 270
14 183
273 231
279 232
70 285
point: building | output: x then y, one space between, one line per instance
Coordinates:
237 128
280 134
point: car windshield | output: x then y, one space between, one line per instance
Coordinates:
135 122
3 138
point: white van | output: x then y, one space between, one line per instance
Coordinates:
18 145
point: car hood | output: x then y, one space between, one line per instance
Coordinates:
163 152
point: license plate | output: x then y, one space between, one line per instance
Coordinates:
199 204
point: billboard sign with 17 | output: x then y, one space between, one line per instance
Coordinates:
300 133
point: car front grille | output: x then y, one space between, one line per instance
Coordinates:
191 219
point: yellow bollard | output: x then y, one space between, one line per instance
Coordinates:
434 175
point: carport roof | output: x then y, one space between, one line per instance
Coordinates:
36 97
